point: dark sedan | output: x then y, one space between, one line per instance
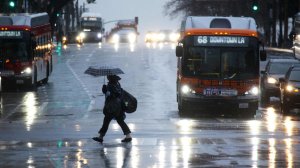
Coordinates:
275 69
290 90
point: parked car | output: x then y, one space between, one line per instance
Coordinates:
290 90
275 69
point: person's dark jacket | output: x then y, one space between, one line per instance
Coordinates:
113 105
114 89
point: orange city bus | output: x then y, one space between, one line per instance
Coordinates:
218 65
25 49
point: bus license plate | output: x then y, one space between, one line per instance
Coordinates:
243 105
20 81
219 92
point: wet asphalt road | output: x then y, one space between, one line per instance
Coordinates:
53 126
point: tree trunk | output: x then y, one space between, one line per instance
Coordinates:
286 20
274 21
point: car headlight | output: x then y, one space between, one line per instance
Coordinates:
272 80
99 35
131 37
185 89
116 38
253 91
291 88
26 71
174 37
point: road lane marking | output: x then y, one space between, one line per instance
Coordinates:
40 109
81 82
12 112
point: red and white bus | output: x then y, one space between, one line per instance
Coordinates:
25 49
218 65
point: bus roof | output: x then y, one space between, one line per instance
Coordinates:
25 19
88 14
210 22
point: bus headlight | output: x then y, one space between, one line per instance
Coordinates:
26 71
253 91
99 35
185 89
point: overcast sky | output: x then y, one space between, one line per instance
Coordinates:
150 12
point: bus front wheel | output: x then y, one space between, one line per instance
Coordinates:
34 82
182 107
47 74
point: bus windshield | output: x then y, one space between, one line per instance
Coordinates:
221 63
93 25
14 50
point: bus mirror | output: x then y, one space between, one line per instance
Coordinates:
179 51
103 30
263 55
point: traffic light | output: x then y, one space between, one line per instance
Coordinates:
12 4
255 5
136 19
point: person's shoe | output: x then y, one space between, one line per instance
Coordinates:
126 140
98 139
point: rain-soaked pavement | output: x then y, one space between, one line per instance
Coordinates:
53 126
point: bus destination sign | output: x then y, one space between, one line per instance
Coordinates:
10 34
226 41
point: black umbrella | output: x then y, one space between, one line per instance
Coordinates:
103 71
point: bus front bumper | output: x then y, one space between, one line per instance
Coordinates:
221 103
17 79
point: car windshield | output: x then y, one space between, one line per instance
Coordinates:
216 63
126 31
295 76
280 67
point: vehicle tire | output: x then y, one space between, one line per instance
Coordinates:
285 108
47 74
35 83
51 64
183 108
248 114
264 98
5 85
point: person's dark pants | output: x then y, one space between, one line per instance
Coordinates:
119 119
